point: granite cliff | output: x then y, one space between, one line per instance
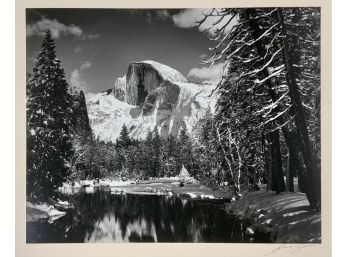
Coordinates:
151 95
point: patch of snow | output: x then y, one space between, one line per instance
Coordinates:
204 196
268 221
166 72
293 213
286 214
89 190
249 231
191 195
55 212
62 202
87 183
42 211
115 183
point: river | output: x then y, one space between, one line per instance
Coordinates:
105 217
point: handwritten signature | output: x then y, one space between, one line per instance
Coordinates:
289 249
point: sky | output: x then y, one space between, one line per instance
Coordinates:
97 45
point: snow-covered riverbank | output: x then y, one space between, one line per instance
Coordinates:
50 210
286 217
283 218
170 186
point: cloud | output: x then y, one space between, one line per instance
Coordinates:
212 73
148 17
87 36
57 29
163 14
75 77
85 65
189 17
78 49
152 15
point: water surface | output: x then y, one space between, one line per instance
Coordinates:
105 217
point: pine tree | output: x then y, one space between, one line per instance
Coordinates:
169 157
260 95
49 123
156 144
149 157
185 149
124 140
307 40
207 153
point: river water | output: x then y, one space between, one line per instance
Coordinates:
105 217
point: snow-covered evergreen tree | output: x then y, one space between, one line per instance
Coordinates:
260 95
169 157
49 123
149 157
156 142
124 139
185 149
207 153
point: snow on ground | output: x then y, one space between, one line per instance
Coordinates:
94 183
169 186
286 216
36 212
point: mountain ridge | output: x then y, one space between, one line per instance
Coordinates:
151 95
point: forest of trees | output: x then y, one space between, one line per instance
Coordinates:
266 126
131 158
267 120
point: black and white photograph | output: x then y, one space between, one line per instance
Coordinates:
173 125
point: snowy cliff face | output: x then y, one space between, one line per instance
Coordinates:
151 95
119 89
144 77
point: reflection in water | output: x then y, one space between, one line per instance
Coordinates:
105 217
109 230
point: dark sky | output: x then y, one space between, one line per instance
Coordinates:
99 44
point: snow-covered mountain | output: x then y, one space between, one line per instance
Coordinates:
150 94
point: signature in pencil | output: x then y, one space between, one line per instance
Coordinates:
289 249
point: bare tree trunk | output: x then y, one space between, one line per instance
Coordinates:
277 167
292 172
235 181
269 167
287 172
